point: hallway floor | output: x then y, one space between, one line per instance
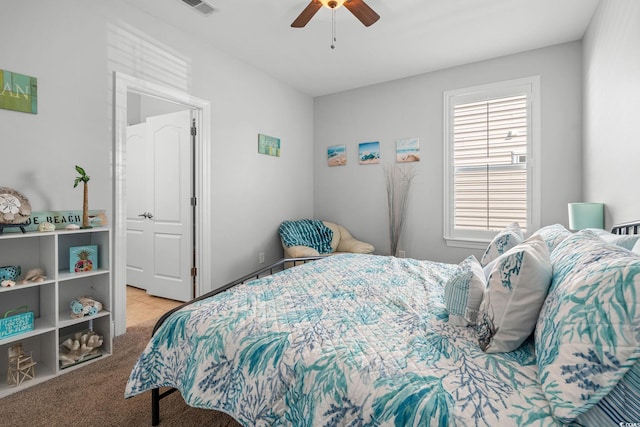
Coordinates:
142 307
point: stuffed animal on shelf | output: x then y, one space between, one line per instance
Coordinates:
79 347
84 306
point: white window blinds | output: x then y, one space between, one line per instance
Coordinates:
490 163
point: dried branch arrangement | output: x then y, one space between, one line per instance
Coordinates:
398 179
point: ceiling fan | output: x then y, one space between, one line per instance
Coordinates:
359 8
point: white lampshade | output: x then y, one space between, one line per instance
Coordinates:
586 215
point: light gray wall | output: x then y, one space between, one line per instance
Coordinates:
73 47
612 109
354 195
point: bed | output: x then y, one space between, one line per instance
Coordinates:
541 331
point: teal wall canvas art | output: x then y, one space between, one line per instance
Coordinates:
18 92
268 145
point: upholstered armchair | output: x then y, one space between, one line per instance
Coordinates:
303 238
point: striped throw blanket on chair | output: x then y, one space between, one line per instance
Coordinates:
307 232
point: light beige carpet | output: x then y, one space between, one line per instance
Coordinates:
94 396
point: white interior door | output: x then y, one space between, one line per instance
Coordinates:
139 198
159 211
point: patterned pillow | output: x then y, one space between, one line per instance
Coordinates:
627 241
463 292
553 235
515 293
620 405
588 332
504 240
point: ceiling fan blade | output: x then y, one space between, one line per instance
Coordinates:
307 14
362 11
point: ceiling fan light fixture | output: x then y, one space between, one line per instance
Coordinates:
358 8
332 4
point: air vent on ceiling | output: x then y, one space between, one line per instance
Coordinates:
201 6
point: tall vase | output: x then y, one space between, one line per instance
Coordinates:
398 180
85 207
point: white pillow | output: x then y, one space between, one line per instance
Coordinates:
516 290
463 292
504 240
553 235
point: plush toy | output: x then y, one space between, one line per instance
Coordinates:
7 283
79 347
84 306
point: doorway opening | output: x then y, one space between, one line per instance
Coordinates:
144 308
159 187
127 88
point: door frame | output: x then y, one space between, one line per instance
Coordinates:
202 112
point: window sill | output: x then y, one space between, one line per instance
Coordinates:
459 242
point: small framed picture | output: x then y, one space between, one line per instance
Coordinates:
83 258
408 150
337 155
268 145
369 153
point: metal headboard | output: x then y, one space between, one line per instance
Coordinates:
626 228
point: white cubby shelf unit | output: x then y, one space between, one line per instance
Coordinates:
50 299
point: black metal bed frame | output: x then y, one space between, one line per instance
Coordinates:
627 228
281 265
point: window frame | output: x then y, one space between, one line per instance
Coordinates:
530 86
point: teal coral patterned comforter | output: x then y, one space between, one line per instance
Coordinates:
350 340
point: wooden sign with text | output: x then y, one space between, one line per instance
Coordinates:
60 219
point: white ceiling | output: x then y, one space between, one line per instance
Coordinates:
411 37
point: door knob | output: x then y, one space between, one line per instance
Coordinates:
149 215
146 215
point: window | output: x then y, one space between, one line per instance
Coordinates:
491 151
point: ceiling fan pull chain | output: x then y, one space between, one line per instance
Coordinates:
333 28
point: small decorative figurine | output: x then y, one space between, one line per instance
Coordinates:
21 365
14 206
84 306
79 347
46 227
35 275
84 178
10 272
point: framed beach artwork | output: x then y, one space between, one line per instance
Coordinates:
408 150
369 153
268 145
337 155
